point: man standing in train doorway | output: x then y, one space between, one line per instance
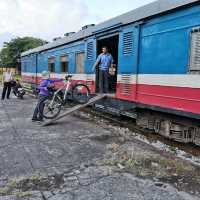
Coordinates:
104 61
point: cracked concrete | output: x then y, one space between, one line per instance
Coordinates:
67 161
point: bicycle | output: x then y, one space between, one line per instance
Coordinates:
79 93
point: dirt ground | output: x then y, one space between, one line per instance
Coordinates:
82 157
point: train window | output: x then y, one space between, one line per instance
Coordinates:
64 64
51 64
80 57
128 43
195 52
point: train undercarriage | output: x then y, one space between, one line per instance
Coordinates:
174 127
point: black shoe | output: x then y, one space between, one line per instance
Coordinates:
37 120
34 119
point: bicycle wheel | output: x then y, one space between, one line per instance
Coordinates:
81 93
50 110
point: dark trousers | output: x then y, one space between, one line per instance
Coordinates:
6 90
39 107
112 85
103 81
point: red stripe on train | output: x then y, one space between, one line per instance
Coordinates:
178 98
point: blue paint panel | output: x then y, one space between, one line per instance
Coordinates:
165 45
28 63
42 62
184 13
165 53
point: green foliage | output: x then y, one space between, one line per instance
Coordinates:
12 50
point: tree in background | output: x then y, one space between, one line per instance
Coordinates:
10 54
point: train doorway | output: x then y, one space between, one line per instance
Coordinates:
112 43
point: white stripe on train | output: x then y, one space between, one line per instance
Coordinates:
90 77
177 80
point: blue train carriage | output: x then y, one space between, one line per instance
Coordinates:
60 60
156 49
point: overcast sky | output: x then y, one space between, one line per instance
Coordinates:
47 19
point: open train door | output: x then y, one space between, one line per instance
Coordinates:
90 49
111 41
128 63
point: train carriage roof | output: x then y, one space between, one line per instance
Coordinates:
149 10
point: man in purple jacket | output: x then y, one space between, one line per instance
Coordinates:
44 94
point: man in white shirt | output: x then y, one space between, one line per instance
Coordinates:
6 80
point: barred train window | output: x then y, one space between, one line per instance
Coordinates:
90 48
64 64
51 64
128 43
80 57
195 52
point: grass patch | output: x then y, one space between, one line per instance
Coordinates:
4 191
22 187
23 194
145 164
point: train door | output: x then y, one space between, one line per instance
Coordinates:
112 44
128 63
